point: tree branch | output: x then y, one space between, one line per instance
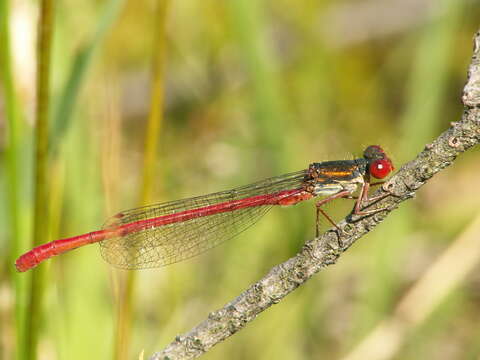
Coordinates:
325 250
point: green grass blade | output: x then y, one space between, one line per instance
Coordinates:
427 86
153 131
14 138
63 113
40 229
14 130
270 113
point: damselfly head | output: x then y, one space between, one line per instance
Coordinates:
380 166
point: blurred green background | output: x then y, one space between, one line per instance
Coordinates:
251 90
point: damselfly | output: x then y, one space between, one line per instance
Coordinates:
166 233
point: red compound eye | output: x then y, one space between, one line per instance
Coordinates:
381 168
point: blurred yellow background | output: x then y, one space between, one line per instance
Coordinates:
252 89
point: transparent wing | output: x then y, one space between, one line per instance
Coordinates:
156 246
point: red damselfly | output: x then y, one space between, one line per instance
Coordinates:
166 233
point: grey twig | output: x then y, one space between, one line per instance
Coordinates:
325 250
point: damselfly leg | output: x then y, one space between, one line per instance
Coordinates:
362 200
